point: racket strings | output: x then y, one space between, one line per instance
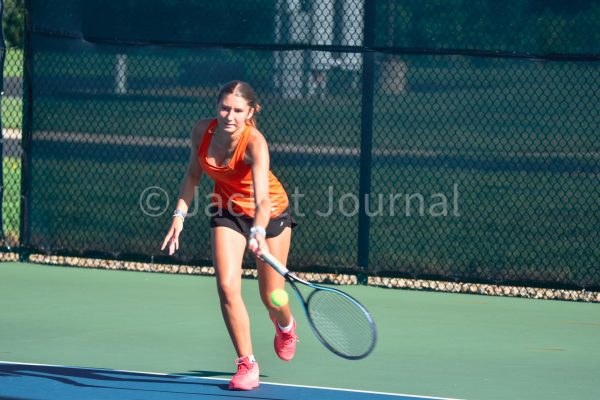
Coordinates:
342 323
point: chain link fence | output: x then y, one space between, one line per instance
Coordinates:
448 140
13 23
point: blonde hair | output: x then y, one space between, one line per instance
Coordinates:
245 91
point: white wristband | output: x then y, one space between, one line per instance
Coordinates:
180 214
258 230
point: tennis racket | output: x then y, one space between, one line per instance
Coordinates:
339 321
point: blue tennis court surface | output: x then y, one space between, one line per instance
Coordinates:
50 382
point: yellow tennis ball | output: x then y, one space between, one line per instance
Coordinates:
279 297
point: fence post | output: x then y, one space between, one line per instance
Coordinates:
366 137
24 229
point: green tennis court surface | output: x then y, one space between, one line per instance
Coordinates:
78 333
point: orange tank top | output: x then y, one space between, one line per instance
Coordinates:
234 188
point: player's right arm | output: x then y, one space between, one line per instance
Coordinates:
187 190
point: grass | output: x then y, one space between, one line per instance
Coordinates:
11 204
11 118
12 106
12 111
507 109
519 226
13 63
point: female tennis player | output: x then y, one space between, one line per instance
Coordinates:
249 203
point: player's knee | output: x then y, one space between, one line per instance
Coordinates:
229 292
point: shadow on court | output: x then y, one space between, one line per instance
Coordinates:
41 381
32 382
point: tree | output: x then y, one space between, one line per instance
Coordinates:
13 22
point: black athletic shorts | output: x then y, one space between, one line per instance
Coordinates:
242 224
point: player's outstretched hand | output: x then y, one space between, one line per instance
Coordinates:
172 237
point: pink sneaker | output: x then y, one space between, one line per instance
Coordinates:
246 377
285 343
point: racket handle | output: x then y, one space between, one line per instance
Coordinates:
272 261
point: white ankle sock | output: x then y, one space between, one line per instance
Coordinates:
286 329
251 358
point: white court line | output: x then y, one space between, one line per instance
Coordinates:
227 380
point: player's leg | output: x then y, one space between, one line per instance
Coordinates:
269 280
228 248
228 251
